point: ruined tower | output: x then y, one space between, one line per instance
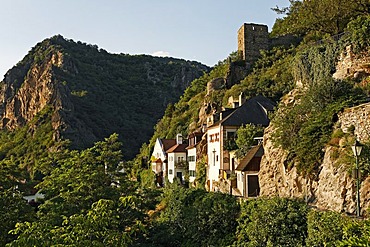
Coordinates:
251 39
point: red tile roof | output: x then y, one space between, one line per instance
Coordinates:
168 143
178 148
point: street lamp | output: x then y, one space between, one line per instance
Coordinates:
356 148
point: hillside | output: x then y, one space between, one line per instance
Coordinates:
316 83
91 93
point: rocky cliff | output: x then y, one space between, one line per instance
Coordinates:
93 93
334 187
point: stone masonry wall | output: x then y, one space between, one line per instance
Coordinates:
359 118
334 188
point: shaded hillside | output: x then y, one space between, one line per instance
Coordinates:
93 93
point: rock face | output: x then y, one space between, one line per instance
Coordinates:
29 88
92 93
333 188
352 65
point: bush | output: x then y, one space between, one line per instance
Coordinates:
359 33
195 217
272 222
324 228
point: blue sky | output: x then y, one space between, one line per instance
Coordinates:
200 30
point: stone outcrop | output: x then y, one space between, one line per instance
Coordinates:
351 65
333 188
28 89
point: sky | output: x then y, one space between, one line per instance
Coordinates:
198 30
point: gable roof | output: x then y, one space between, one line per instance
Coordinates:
178 148
256 151
167 143
254 111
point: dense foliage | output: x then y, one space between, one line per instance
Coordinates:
192 217
13 209
272 222
88 201
315 19
271 76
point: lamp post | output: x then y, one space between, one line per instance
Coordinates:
356 148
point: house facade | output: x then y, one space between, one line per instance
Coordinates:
177 164
193 140
159 159
218 156
169 159
254 111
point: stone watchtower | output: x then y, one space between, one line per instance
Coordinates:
251 39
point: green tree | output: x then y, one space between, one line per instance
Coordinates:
88 201
325 228
13 209
245 137
193 217
318 17
355 233
272 222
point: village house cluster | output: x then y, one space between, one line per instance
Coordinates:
174 159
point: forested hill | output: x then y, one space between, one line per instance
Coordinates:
89 93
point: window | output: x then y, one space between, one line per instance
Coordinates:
191 158
191 173
230 135
216 157
217 139
170 171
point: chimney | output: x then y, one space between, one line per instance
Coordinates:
179 139
241 99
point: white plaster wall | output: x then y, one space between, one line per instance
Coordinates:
192 164
172 159
214 151
171 166
240 182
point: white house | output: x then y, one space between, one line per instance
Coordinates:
254 111
177 164
193 139
159 158
168 159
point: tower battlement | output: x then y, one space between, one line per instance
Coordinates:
251 39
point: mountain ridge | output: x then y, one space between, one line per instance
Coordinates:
93 93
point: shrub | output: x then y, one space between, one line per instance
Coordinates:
324 228
272 222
